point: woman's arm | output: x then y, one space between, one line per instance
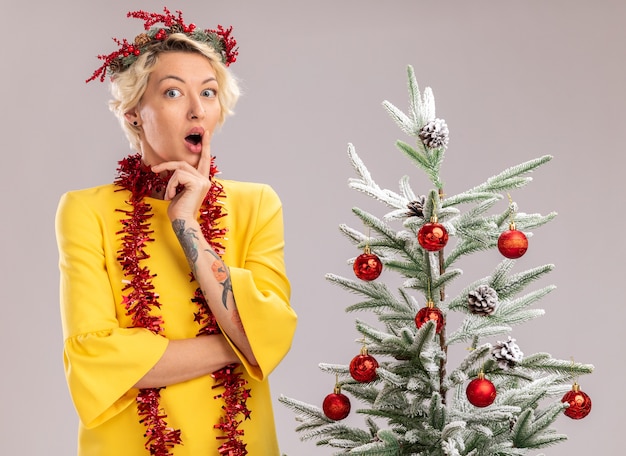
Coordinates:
186 359
214 279
208 268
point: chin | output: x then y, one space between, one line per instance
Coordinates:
193 161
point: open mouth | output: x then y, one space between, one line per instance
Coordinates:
194 138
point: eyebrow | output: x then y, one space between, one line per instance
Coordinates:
171 76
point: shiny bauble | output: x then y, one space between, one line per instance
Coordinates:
512 244
336 406
367 266
363 368
432 236
579 403
428 313
480 392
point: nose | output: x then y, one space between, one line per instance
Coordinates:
196 110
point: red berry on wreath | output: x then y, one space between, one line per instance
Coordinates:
428 313
579 403
432 236
512 243
480 391
336 405
363 367
367 266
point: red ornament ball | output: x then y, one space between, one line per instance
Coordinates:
336 406
428 313
512 244
363 368
579 403
432 236
367 266
481 392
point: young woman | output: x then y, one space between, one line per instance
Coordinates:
174 297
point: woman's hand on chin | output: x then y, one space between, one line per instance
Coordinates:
186 188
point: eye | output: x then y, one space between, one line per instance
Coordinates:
172 93
209 93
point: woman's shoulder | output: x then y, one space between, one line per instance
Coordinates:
101 195
247 190
250 199
94 192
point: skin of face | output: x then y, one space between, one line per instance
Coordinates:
179 110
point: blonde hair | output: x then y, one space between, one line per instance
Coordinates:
128 87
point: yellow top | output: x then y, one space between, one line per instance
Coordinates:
104 357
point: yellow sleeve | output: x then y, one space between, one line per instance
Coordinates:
262 290
102 360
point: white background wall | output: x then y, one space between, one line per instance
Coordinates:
514 80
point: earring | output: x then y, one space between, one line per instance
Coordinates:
135 123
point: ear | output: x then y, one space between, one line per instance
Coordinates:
132 117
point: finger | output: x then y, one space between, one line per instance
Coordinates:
204 164
172 185
168 166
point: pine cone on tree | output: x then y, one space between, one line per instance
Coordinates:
507 354
416 208
435 134
483 300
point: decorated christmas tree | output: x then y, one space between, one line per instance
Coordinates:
495 400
